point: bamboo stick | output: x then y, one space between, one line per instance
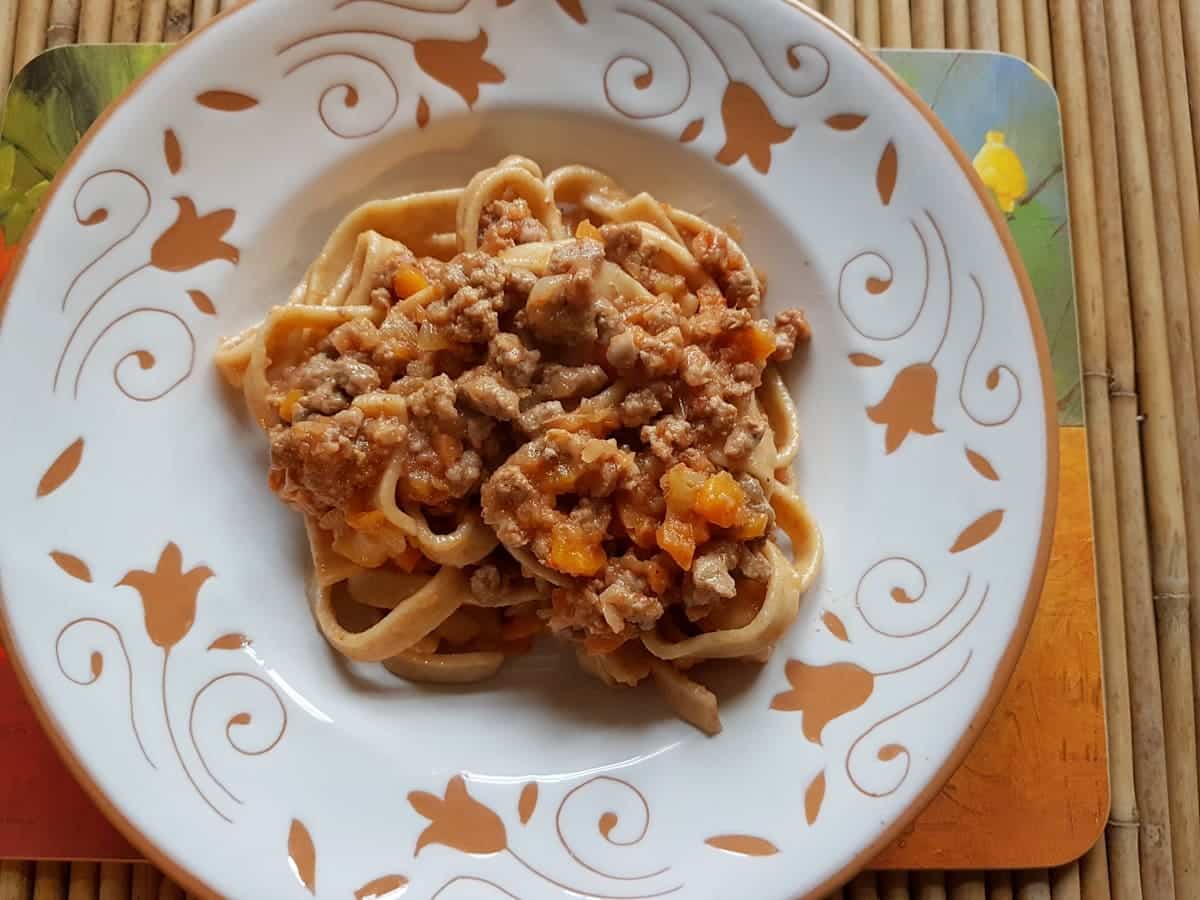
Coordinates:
49 881
64 23
84 881
202 11
144 882
14 880
8 34
32 18
226 4
1124 836
895 28
958 25
1093 873
178 20
1064 882
1172 442
95 21
1191 38
863 887
929 24
169 890
931 885
1032 884
866 20
153 21
966 886
1153 864
115 881
1000 886
1038 46
1175 87
893 885
126 16
1012 27
985 25
842 13
1090 281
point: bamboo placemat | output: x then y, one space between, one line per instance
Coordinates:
1130 118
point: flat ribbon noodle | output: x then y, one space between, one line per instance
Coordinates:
779 609
470 542
491 184
781 413
369 268
233 355
691 224
807 544
530 563
291 321
406 618
445 668
383 588
329 566
414 221
400 629
688 699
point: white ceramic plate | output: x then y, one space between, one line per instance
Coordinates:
153 585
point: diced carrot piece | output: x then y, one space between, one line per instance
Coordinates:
675 536
520 627
365 521
287 406
602 644
638 525
410 560
419 486
720 500
571 552
753 525
560 480
753 343
586 229
408 281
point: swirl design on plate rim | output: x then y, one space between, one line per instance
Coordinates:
190 242
751 128
459 821
169 598
455 64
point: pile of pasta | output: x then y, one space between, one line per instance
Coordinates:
393 588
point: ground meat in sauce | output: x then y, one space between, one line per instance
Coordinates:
557 410
791 330
506 223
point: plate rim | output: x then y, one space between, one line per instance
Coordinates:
1002 672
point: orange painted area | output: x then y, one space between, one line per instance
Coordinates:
1034 790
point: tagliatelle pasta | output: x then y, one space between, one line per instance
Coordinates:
537 404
